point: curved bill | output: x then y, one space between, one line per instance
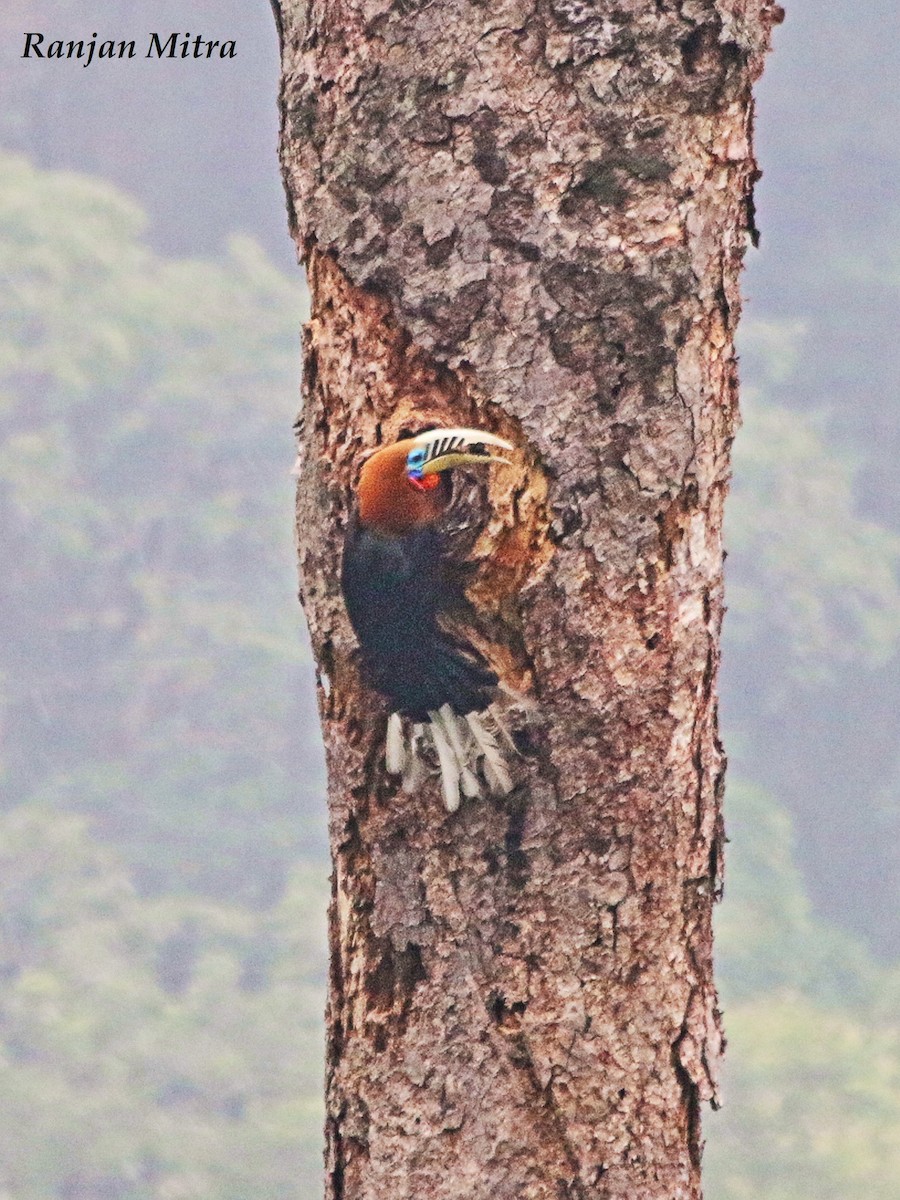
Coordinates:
447 448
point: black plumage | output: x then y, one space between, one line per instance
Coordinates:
396 592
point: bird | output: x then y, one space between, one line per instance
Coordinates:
403 596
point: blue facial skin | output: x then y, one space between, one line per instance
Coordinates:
415 461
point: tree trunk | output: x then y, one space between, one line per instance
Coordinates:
529 216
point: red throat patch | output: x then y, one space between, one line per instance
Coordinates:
426 484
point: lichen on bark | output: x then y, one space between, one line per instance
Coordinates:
529 215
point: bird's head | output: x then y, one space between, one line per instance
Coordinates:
405 485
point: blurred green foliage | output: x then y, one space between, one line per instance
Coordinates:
161 935
818 582
152 1048
812 1074
161 846
810 685
151 649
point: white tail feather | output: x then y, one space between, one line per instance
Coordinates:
415 768
447 761
502 730
467 751
468 782
395 746
495 770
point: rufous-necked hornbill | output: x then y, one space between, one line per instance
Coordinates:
400 592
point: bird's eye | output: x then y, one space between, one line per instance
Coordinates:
415 458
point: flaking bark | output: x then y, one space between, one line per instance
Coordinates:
529 216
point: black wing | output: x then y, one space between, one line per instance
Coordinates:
395 591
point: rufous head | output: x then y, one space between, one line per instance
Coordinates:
403 486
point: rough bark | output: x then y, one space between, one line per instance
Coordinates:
529 215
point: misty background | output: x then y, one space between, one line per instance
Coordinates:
163 853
